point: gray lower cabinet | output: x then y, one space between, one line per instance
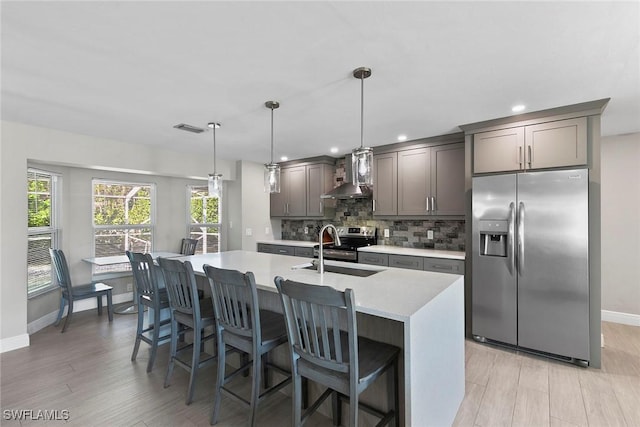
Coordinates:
406 261
373 258
442 265
300 251
304 252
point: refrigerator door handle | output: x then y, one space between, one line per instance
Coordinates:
511 238
521 238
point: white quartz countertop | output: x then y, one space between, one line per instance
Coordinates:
298 243
393 293
397 250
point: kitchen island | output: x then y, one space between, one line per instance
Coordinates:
421 312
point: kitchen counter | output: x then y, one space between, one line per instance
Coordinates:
428 253
298 243
420 311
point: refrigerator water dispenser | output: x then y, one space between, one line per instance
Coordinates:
493 237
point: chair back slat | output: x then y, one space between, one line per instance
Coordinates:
180 282
145 273
61 268
235 300
312 315
188 246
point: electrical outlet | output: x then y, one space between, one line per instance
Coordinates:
386 232
129 287
430 234
306 230
249 232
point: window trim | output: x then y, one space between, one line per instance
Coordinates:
55 228
190 224
95 227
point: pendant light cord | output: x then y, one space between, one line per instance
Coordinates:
271 134
214 149
361 111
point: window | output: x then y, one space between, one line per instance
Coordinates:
43 232
203 223
123 219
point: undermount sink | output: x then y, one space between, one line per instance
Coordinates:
344 270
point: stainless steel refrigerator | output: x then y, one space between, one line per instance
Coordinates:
530 277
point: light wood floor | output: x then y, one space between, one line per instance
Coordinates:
88 372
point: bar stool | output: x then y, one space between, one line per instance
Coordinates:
243 326
340 360
188 313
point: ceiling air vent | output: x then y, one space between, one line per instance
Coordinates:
189 128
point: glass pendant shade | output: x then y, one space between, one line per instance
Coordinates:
215 185
361 166
272 178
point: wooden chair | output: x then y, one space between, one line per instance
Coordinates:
149 292
188 313
339 360
188 246
243 326
72 293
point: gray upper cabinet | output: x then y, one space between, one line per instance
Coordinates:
292 199
498 151
319 182
560 143
556 144
431 180
385 184
414 181
447 179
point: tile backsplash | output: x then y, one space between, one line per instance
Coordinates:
447 234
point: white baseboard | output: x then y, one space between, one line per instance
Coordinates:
81 305
619 317
14 343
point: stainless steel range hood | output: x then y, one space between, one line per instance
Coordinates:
348 190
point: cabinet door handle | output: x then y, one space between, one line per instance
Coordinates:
427 204
374 205
520 156
530 153
433 204
320 206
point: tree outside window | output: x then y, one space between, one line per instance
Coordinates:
203 223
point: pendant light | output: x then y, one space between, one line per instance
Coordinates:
272 170
362 157
215 179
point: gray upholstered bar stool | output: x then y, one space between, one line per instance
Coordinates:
337 359
243 326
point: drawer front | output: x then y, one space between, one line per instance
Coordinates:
441 265
373 259
304 252
406 261
276 249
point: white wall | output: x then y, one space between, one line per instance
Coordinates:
82 157
621 226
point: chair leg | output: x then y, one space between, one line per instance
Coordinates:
265 371
68 319
336 408
353 408
173 350
156 335
99 298
296 415
396 394
220 380
195 361
110 305
136 346
61 311
255 388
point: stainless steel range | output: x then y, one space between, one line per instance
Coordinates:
351 238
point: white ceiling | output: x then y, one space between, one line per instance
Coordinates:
131 70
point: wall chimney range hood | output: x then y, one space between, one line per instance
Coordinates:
348 190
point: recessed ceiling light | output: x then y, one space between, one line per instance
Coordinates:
402 138
334 150
517 108
284 158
